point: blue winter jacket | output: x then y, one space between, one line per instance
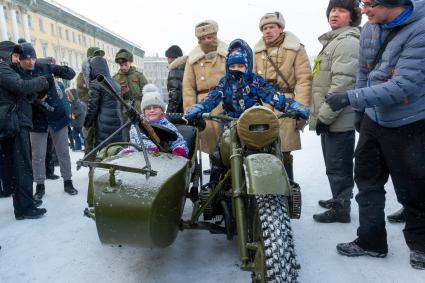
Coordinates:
239 95
393 94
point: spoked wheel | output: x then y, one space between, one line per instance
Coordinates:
272 248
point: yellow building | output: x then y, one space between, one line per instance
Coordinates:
61 33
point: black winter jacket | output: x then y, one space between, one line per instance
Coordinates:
15 90
175 84
104 111
58 118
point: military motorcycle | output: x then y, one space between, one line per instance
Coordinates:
138 199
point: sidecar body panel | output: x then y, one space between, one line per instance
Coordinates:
265 174
138 211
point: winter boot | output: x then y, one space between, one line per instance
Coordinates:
288 160
326 203
32 213
69 188
417 259
337 213
39 192
353 249
397 217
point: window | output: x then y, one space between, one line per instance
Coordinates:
6 17
66 34
52 29
44 49
84 41
77 63
18 17
73 37
56 54
79 39
60 32
40 24
29 21
70 58
63 54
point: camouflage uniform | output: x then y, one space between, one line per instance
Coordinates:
131 84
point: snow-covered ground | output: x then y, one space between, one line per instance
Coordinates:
63 246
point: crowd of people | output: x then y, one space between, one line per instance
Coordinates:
368 79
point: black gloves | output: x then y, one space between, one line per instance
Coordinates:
50 80
358 118
321 128
337 100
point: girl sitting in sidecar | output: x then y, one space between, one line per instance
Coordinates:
153 108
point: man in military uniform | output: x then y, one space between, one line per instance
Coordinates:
205 66
282 60
131 82
83 95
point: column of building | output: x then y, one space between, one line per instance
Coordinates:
3 30
14 24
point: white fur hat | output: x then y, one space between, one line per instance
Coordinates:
151 96
272 18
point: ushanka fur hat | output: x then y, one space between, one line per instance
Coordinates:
123 55
350 5
272 18
206 27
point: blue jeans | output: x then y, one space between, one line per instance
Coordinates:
77 134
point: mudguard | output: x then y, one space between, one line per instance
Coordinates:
265 175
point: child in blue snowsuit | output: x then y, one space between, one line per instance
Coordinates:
241 89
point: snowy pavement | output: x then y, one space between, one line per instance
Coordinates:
63 246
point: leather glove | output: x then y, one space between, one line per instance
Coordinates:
321 128
358 118
50 80
337 100
300 110
133 115
193 112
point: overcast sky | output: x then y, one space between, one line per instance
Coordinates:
157 24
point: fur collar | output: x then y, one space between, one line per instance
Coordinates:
196 54
180 61
291 41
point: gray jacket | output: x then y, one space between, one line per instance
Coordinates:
335 71
393 94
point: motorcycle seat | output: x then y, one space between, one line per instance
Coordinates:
189 134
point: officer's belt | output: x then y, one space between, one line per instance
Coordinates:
204 91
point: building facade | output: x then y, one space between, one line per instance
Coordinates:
61 33
156 72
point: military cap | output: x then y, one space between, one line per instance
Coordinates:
95 51
123 55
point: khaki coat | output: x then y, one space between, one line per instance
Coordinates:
202 73
335 71
292 60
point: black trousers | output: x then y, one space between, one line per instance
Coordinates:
5 173
338 154
18 152
399 152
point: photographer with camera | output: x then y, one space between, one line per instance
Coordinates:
46 120
16 93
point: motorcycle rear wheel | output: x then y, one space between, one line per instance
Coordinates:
272 253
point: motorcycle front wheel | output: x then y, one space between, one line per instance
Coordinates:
272 251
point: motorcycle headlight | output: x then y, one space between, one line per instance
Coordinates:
258 127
